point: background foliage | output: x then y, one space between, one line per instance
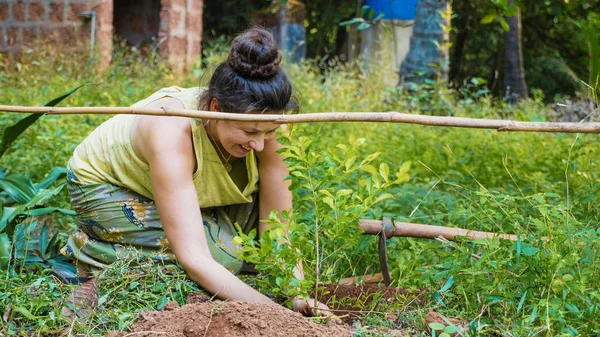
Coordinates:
551 33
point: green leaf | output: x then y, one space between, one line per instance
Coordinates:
12 132
25 312
43 196
448 284
450 329
54 175
522 301
357 143
504 24
530 251
8 214
369 168
402 174
363 10
5 248
370 158
48 210
52 249
43 239
518 248
343 192
22 238
436 326
329 201
488 18
343 147
349 162
384 170
363 26
19 188
383 196
350 22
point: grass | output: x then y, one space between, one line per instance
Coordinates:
543 187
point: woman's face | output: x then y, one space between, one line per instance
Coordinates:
238 138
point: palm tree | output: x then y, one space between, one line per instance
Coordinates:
428 55
514 74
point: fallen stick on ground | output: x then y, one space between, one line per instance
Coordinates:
373 278
406 229
381 117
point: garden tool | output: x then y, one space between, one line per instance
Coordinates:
387 229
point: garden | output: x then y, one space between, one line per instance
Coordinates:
541 187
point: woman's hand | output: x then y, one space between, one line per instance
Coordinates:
305 307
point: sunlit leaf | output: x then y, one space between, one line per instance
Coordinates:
488 18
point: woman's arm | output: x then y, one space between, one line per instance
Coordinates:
166 144
274 191
275 195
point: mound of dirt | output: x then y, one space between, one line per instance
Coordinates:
353 301
231 319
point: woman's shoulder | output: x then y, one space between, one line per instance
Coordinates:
188 97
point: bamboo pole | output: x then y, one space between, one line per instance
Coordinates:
405 229
389 117
372 278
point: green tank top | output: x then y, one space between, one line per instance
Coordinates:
106 156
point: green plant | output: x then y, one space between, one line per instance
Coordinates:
11 133
588 31
334 189
22 201
362 23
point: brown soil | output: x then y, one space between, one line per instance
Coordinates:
203 317
351 302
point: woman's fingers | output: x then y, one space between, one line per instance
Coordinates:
308 308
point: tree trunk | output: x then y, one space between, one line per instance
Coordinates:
514 74
428 55
463 24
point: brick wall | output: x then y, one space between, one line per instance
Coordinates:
178 26
24 22
180 32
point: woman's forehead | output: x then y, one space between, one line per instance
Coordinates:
255 126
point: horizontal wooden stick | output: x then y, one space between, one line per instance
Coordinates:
405 229
389 117
373 278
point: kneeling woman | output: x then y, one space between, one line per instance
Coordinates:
172 187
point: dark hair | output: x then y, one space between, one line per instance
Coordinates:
251 78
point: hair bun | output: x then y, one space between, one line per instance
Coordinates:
254 55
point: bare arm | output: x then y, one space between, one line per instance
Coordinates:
275 195
274 190
166 144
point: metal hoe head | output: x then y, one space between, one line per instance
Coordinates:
387 231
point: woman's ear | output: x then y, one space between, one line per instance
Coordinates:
214 105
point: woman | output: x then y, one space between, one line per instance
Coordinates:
172 187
